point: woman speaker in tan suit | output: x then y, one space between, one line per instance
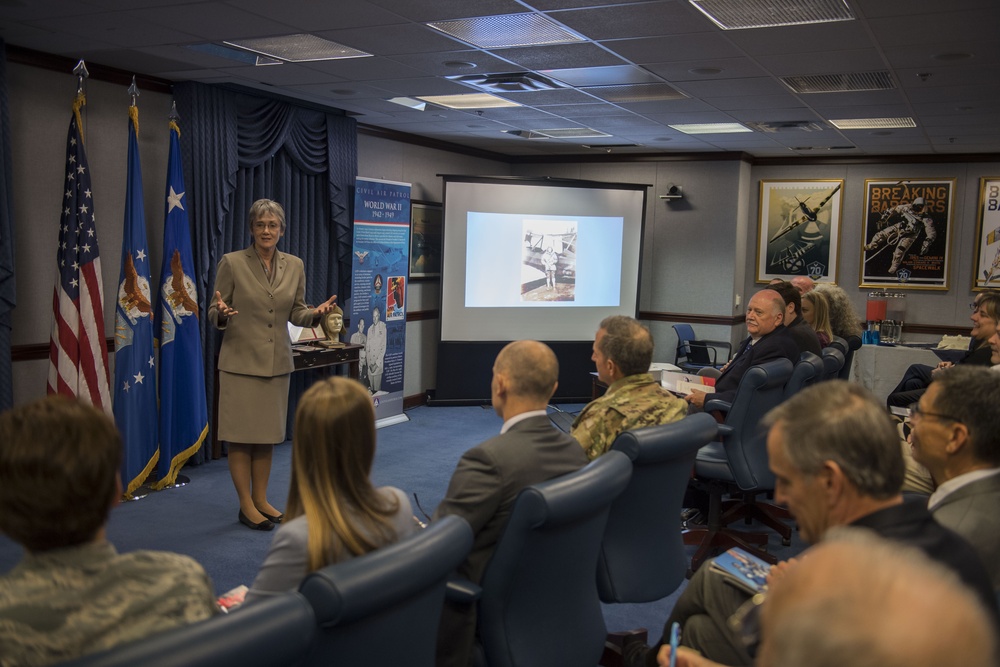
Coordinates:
258 290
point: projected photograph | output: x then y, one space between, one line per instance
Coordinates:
548 260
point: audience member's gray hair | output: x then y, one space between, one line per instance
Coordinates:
841 422
843 320
627 343
970 394
865 596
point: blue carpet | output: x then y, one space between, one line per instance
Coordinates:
418 456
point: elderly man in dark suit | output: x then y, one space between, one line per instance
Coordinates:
488 478
768 340
956 435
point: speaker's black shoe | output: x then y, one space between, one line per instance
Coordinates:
273 519
263 525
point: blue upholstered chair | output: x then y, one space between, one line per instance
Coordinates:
693 354
642 556
383 608
853 344
538 603
276 631
808 370
738 464
833 362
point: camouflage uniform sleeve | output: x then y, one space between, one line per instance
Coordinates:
595 430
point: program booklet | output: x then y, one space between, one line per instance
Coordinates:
743 570
683 384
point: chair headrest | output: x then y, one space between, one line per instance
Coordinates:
345 591
653 444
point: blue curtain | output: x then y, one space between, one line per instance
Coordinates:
238 148
8 295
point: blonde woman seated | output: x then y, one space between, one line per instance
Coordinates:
815 312
333 512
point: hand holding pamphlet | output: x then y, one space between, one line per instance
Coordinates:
743 570
683 384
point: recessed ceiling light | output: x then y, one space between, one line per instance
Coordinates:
711 128
705 71
459 64
742 14
507 30
871 123
632 93
408 102
469 101
298 48
952 56
572 133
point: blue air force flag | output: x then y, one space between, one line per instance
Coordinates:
135 372
183 409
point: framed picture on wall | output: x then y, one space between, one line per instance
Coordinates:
425 240
987 266
906 240
798 230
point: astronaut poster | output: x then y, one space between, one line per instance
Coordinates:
987 266
907 241
799 229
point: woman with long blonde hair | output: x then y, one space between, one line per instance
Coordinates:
333 512
815 312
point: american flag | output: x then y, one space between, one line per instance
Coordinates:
78 353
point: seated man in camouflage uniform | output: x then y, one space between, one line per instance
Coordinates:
623 351
72 593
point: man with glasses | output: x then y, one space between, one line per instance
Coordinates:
955 434
837 462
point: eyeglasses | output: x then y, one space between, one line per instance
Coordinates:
271 227
915 411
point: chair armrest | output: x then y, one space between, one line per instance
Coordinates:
463 591
716 404
725 429
712 347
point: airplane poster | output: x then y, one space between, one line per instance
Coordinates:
799 229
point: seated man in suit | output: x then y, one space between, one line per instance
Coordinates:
800 331
768 340
836 460
955 434
72 593
488 478
623 351
863 601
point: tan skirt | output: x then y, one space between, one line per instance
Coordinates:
252 410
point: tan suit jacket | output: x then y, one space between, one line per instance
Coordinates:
256 339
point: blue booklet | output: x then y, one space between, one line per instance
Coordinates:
743 570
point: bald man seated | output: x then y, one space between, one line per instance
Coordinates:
488 478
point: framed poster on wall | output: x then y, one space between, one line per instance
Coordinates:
906 242
987 266
798 229
425 240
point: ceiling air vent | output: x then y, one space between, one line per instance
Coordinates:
787 126
509 82
840 83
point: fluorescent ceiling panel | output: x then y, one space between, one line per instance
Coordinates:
711 128
872 123
743 14
298 48
470 101
507 30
